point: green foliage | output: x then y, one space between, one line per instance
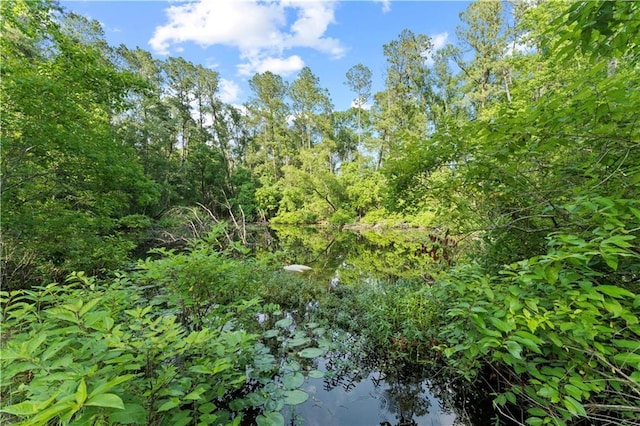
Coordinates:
166 345
88 352
561 328
66 179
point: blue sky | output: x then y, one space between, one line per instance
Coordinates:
238 38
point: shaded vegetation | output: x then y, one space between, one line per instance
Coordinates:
516 152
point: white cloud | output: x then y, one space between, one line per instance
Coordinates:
520 46
439 41
386 5
259 30
365 106
282 66
229 91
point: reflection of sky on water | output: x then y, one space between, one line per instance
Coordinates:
364 405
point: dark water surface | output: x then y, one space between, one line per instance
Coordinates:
362 386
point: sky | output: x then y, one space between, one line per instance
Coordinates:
238 38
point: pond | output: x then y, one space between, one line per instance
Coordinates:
365 385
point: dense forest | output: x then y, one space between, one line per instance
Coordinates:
518 150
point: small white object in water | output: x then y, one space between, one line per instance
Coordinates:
297 268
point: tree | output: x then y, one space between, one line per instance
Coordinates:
359 80
311 108
484 33
67 178
268 114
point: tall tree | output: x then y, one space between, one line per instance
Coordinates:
311 108
359 81
268 113
66 176
483 32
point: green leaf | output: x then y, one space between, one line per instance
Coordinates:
615 291
501 325
573 391
534 421
549 393
168 405
626 358
529 343
284 322
311 352
298 341
132 414
292 380
610 258
295 397
514 349
81 392
537 411
315 374
109 400
627 344
270 333
272 418
574 406
88 306
22 409
110 384
200 369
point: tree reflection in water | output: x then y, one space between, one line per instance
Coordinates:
369 380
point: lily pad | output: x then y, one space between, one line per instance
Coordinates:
295 397
311 352
270 419
291 366
292 380
315 374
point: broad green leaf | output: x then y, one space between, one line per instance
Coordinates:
88 306
293 380
627 358
109 400
168 405
81 392
574 406
501 325
610 258
270 333
315 374
272 418
311 352
295 397
574 391
627 344
22 409
615 291
200 369
132 414
284 322
110 384
528 343
536 411
514 349
300 341
549 393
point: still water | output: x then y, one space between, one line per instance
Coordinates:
371 401
362 386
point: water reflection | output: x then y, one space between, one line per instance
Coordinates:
366 385
351 257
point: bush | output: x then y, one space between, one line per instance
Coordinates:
561 330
